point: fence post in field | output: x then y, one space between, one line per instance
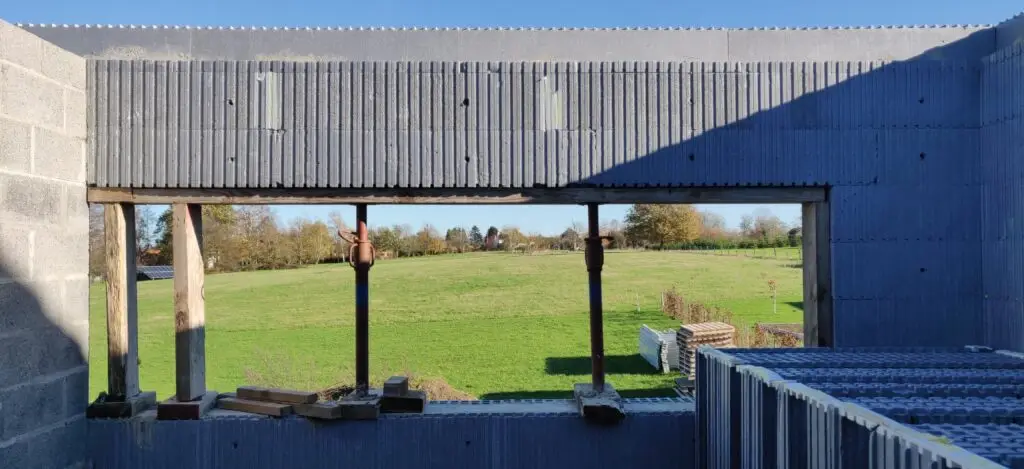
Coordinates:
123 398
191 399
598 399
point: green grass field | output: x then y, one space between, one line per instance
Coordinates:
493 325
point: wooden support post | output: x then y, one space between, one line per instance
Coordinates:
123 398
122 301
817 260
189 303
189 317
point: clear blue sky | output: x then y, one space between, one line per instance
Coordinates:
538 13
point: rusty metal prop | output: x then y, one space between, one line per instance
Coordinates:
361 258
594 255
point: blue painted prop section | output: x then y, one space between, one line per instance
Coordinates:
859 408
496 435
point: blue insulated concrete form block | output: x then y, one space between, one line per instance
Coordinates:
1002 138
513 435
857 408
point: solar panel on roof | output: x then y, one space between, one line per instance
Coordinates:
155 272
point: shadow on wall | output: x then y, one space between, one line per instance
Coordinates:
36 355
614 364
563 394
894 144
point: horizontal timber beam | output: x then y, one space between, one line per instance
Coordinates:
452 196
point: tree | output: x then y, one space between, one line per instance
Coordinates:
313 241
660 224
475 238
491 241
712 224
385 239
428 241
212 216
457 239
512 238
747 226
337 224
569 240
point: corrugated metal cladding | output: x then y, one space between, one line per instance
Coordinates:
1003 199
528 439
447 124
898 143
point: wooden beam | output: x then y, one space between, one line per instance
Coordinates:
122 302
253 393
189 303
455 196
272 409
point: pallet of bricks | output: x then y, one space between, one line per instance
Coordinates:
691 336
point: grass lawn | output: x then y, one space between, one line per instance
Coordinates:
493 325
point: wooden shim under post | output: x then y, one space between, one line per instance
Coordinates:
189 303
122 302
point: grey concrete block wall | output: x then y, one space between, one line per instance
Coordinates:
44 309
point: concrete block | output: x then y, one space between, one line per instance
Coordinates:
20 47
15 146
76 299
30 407
30 98
35 200
76 393
58 156
62 66
76 208
41 352
20 309
16 247
61 446
75 113
61 252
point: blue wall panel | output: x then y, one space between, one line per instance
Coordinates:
1002 143
657 432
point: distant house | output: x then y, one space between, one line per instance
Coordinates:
153 272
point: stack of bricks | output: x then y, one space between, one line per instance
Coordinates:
691 336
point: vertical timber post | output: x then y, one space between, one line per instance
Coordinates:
597 400
122 301
363 260
819 326
123 398
191 399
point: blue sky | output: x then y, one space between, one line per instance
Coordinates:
537 13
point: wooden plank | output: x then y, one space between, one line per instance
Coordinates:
189 303
449 196
122 302
254 393
130 407
810 270
272 409
343 410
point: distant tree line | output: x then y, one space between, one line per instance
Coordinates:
237 238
